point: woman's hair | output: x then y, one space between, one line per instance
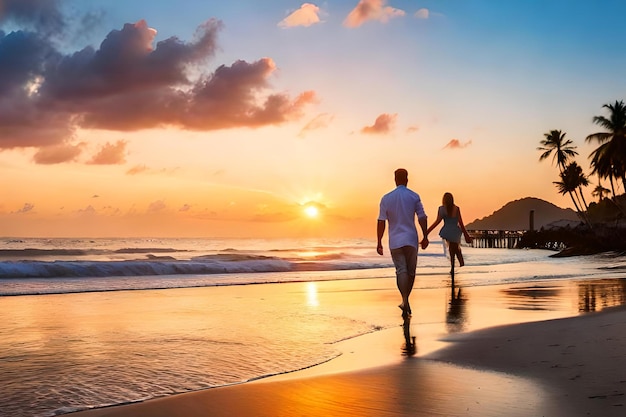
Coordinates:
448 202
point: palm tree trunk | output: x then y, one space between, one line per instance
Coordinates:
574 201
580 191
612 186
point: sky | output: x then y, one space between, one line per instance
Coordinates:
287 119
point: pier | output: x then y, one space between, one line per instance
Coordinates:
503 239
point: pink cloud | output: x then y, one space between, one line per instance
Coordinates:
456 144
371 10
383 124
306 15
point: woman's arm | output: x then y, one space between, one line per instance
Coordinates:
432 226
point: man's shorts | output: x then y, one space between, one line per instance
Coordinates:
405 260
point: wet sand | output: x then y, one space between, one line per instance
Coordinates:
472 358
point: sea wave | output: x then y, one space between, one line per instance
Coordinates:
203 265
59 252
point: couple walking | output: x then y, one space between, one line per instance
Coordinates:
399 208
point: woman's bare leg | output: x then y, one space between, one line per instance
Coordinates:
452 247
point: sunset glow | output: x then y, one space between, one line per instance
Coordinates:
120 120
311 211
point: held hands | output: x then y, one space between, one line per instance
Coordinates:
424 243
468 238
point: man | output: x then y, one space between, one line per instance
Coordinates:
399 208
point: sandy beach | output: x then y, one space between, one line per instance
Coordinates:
483 365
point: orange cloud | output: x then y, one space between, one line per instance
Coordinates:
28 207
110 154
144 169
383 124
306 15
371 10
229 98
57 154
157 206
137 169
456 144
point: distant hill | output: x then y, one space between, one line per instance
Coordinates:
516 216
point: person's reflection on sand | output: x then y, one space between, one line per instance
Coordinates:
456 316
409 348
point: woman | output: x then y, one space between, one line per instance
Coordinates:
452 228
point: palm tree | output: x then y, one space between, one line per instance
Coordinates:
600 192
563 150
573 179
609 159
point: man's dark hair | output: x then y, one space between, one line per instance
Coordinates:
401 176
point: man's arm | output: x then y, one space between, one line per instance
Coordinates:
380 231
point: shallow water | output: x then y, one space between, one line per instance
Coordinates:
71 351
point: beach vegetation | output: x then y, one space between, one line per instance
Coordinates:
572 181
603 223
609 159
572 177
600 192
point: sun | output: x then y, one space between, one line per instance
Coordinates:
311 211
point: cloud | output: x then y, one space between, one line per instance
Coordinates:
57 154
412 129
157 206
26 208
456 144
144 169
185 207
383 124
230 98
306 15
371 10
319 122
110 154
422 14
137 169
129 84
87 211
42 15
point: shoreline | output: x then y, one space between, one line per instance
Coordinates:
583 357
454 369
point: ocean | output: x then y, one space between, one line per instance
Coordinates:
89 323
